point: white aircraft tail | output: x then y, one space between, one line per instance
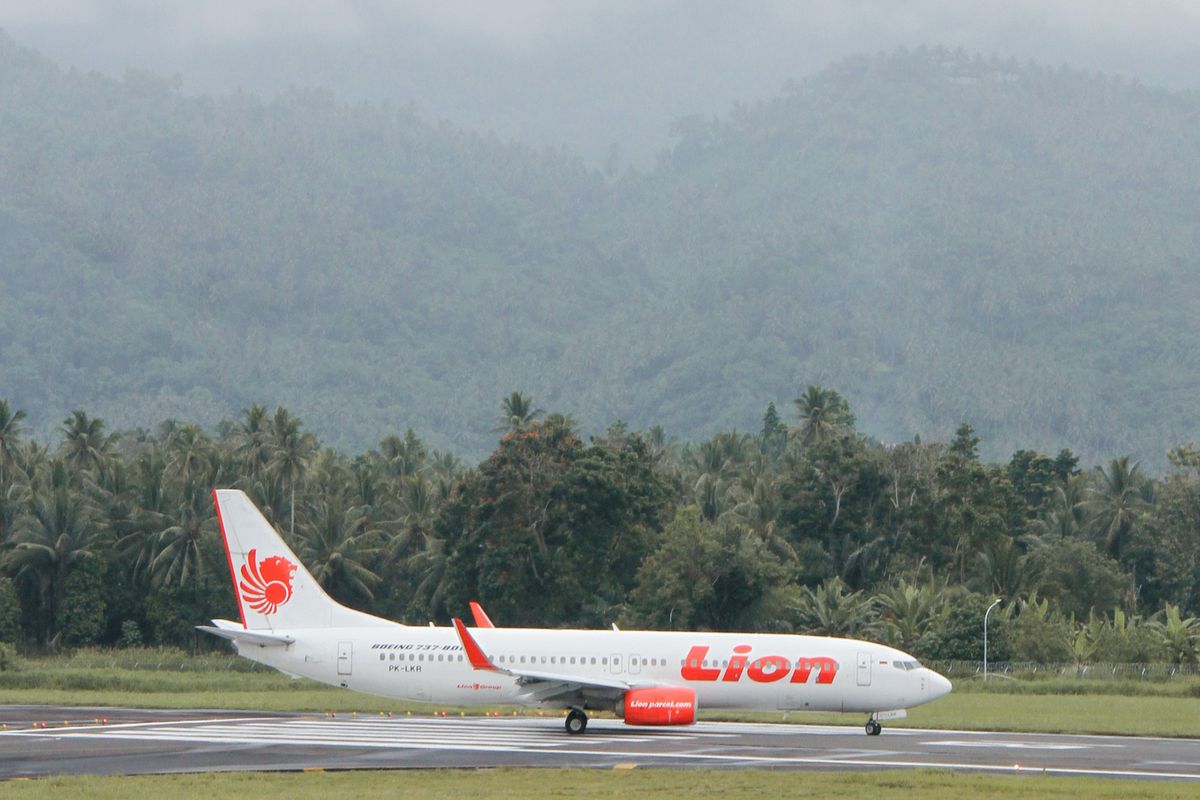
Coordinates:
274 591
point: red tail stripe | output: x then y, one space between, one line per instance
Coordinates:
229 558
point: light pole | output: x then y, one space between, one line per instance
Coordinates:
995 603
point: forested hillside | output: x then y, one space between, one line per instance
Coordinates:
944 238
806 526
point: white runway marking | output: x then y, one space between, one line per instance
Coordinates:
713 744
1017 745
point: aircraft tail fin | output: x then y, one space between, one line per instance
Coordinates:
273 589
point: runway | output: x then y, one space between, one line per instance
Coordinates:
77 741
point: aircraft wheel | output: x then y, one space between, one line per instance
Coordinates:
874 728
576 722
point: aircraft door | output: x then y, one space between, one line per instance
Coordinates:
614 663
864 669
635 666
345 657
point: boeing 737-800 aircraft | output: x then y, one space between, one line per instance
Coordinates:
646 677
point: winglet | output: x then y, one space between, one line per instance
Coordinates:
474 652
481 617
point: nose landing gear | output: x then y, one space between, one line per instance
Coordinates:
874 728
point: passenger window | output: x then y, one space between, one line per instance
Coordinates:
381 656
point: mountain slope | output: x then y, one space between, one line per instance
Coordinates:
941 238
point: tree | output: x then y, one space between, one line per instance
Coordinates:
83 609
1076 577
909 611
179 551
831 610
959 635
773 438
10 439
339 546
707 577
403 457
1116 503
291 449
517 412
824 414
57 533
84 442
253 442
1178 636
10 611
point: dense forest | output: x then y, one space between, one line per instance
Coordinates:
941 236
806 525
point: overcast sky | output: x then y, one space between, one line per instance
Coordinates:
584 74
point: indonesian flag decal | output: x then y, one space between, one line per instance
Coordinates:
268 585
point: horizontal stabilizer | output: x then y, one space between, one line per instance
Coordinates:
242 636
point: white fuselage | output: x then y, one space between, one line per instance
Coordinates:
726 670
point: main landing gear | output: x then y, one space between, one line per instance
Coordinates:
874 728
576 721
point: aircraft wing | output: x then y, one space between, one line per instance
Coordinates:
538 686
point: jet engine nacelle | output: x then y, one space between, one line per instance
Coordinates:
665 705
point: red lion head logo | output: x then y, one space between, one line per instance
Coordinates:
266 586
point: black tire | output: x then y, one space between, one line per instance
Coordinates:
576 722
874 728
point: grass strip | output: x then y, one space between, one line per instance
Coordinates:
1117 715
502 784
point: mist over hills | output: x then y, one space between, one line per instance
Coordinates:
942 238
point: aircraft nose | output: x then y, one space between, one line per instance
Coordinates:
939 685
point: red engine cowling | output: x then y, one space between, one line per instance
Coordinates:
667 705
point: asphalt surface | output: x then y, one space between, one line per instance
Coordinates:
94 741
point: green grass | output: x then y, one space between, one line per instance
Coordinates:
170 679
520 784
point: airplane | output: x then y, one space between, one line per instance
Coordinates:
646 677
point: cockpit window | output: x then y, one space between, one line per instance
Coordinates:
907 665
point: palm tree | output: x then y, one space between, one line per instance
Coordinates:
1065 513
337 543
179 549
192 454
516 412
253 442
291 449
1116 502
10 438
823 414
84 441
1004 567
57 533
403 456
